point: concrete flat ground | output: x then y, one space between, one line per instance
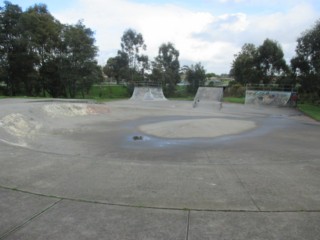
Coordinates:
157 170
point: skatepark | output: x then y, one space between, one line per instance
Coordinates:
152 168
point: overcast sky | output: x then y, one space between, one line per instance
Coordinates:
206 31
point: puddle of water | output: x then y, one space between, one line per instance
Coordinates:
264 126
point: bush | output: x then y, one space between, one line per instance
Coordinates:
235 90
311 97
2 91
130 89
108 92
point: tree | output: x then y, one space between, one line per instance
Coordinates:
271 61
10 47
78 58
39 55
51 72
41 33
117 67
91 73
131 44
210 75
143 62
264 64
196 76
166 67
306 63
244 67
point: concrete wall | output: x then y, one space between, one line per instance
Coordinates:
271 98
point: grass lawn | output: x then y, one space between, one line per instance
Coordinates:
310 110
98 93
234 99
26 97
108 93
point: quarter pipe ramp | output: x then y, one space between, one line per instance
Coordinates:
148 94
208 94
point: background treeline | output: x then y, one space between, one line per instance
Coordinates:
132 67
253 65
39 56
265 64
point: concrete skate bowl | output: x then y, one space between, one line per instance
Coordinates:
79 128
29 123
148 94
267 98
207 95
170 156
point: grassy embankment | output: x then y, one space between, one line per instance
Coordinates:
310 110
99 93
107 93
234 99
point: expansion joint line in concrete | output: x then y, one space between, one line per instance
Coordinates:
16 228
188 225
160 208
244 187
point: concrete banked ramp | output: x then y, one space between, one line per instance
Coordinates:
148 94
208 95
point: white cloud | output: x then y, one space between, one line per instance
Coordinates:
233 22
284 27
199 36
157 23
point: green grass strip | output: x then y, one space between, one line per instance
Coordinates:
234 99
310 110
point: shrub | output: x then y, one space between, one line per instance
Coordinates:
235 90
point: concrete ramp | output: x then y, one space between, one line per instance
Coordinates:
270 98
148 94
208 94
